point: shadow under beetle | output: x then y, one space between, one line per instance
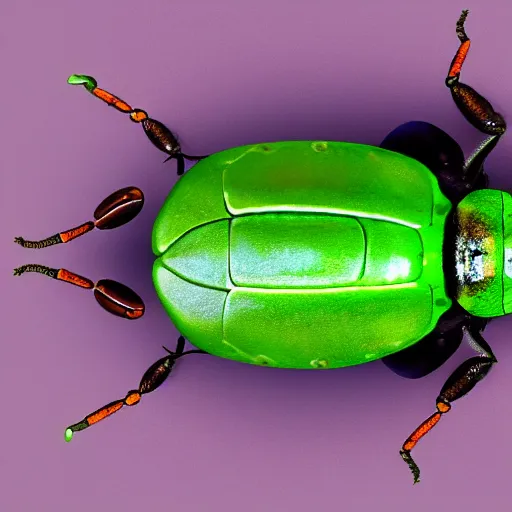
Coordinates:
316 254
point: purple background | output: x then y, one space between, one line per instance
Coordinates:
220 435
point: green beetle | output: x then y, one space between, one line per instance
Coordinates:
319 254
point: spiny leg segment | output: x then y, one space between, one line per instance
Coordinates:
153 378
161 137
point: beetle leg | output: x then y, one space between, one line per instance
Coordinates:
112 296
180 164
159 135
117 209
460 382
152 379
474 164
474 107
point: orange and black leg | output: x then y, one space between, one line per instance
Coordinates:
117 209
161 137
114 211
460 382
474 107
153 378
437 150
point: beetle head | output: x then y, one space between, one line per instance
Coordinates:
483 253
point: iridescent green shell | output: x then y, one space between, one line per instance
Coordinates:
303 254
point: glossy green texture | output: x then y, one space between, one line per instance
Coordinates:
507 252
303 254
485 217
290 250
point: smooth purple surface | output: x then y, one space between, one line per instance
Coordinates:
220 435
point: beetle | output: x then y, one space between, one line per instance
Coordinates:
322 254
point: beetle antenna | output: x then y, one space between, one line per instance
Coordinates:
117 209
59 238
112 296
